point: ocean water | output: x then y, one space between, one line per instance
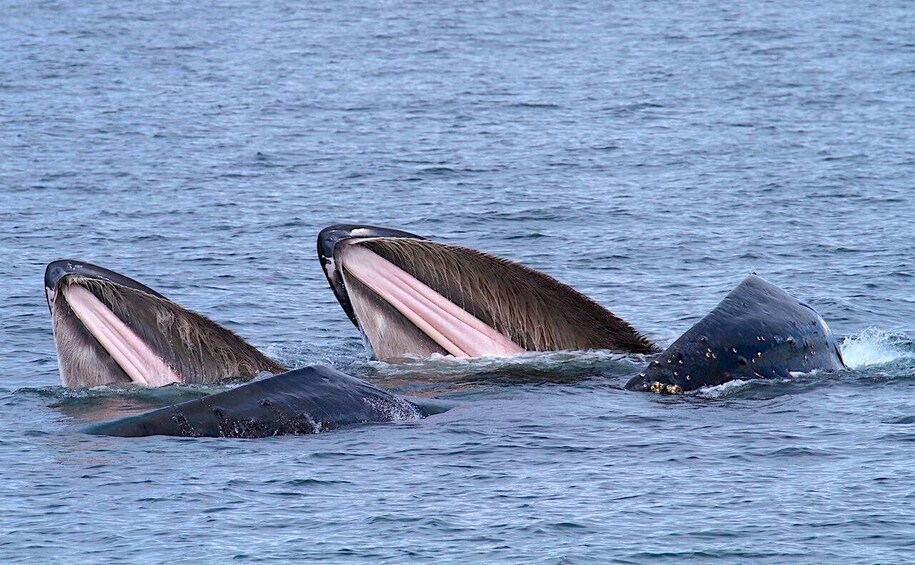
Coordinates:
648 154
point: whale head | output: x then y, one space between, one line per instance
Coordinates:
414 297
111 329
757 332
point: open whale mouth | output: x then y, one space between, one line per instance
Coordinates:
111 329
415 297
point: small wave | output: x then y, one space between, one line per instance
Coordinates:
560 362
163 393
535 105
875 347
445 375
108 403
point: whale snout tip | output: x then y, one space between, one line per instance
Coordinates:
56 271
329 237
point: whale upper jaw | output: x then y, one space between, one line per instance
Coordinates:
328 240
58 271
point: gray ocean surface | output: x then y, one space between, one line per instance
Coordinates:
650 154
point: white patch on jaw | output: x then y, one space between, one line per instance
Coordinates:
330 268
381 322
51 294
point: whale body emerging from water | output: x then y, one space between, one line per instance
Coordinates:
757 332
303 401
414 297
111 329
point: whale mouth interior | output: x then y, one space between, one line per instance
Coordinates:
418 297
125 347
450 327
108 333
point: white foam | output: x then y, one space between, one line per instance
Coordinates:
722 390
874 347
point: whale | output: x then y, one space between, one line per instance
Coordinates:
308 400
110 329
413 297
758 331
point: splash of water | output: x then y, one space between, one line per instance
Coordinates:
874 346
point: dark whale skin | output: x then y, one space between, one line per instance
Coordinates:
304 401
757 332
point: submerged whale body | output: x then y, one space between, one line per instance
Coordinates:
110 329
757 332
304 401
414 297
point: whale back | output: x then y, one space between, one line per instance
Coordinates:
757 332
304 401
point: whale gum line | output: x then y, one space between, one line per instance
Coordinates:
533 310
194 348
